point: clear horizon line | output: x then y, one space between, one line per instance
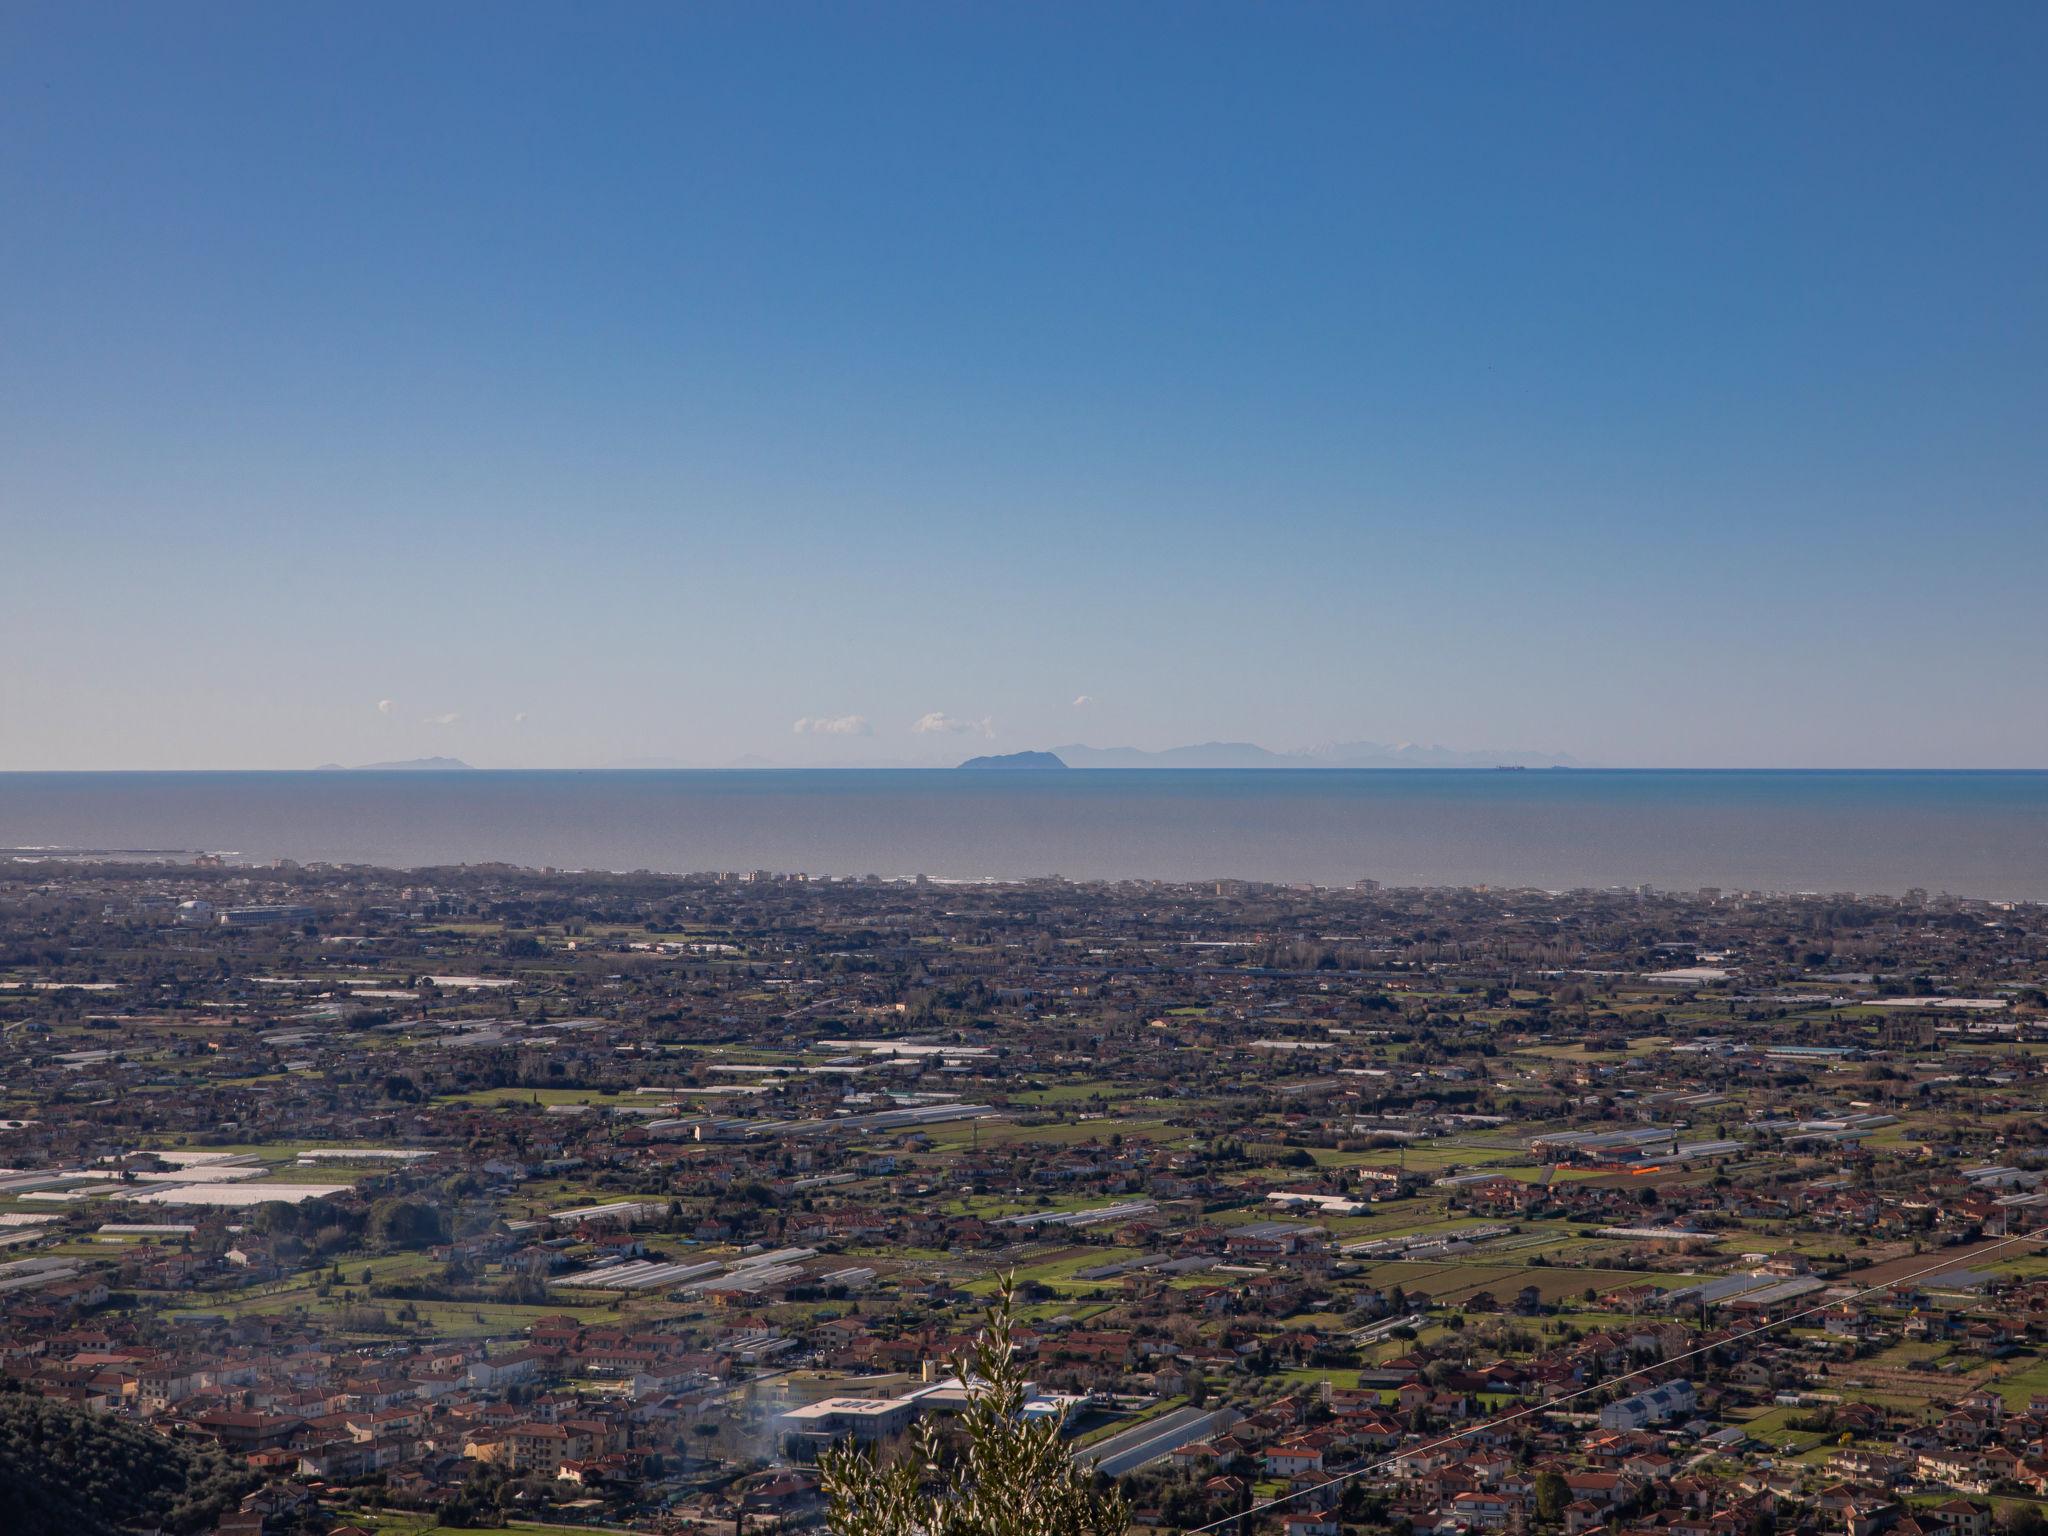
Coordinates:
1276 770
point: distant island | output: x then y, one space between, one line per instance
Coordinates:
1017 760
406 765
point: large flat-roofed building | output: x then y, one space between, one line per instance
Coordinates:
863 1420
264 917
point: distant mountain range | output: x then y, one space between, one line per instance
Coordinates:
1030 760
1341 754
406 765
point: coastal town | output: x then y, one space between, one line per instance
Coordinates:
387 1202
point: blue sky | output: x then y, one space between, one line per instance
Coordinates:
563 385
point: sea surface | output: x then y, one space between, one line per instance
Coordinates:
1974 834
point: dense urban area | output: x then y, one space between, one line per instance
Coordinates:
341 1200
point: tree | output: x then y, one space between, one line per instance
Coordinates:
400 1223
67 1472
1552 1494
1017 1477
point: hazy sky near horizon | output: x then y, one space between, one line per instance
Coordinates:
572 384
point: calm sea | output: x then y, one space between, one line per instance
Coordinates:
1978 834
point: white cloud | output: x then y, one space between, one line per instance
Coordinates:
832 725
385 706
1082 701
939 723
520 718
448 719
